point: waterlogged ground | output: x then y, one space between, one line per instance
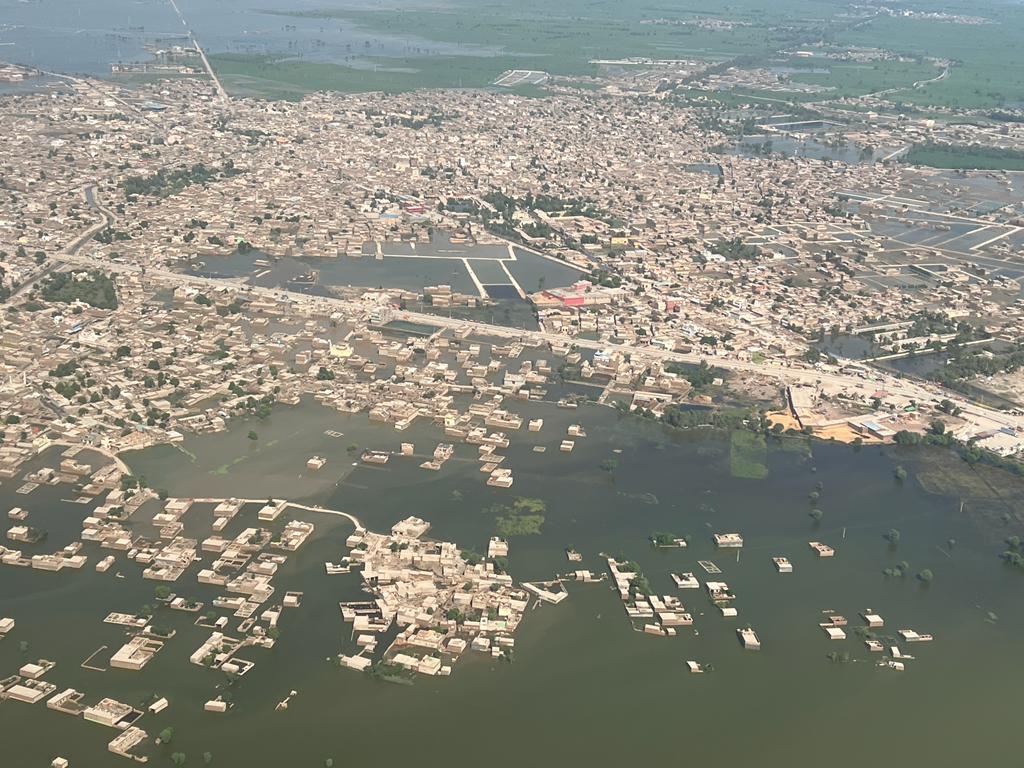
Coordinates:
584 687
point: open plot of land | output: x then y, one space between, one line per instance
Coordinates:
522 77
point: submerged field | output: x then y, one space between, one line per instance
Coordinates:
965 158
484 40
346 45
577 661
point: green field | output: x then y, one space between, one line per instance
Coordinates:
989 58
965 157
851 78
748 454
283 78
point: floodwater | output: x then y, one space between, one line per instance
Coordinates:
75 37
584 689
845 152
404 266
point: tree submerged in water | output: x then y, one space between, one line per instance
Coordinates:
1014 558
901 569
523 518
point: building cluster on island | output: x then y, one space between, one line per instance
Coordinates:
134 525
432 600
662 615
442 603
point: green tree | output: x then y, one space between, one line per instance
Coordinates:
166 735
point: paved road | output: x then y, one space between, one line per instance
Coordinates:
221 93
107 220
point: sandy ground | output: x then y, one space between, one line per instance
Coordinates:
844 433
1008 385
785 418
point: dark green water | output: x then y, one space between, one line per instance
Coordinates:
584 688
436 263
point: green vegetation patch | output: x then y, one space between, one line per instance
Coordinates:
571 37
988 58
519 525
523 518
858 78
966 157
167 182
796 444
700 376
94 288
748 455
